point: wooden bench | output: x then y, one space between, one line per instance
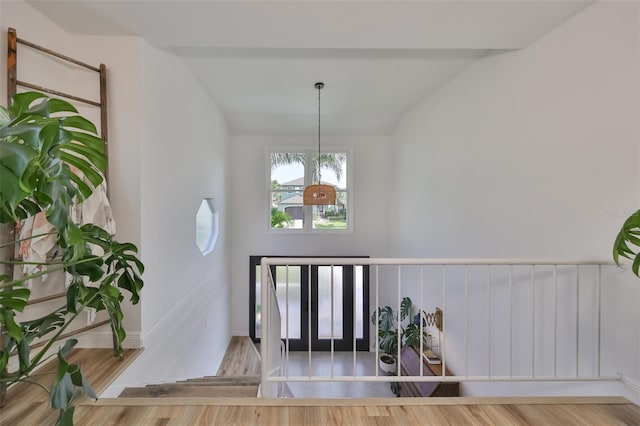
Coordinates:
410 365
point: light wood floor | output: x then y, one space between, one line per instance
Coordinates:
28 406
396 411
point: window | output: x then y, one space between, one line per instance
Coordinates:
206 226
290 172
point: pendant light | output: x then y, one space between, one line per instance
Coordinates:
319 194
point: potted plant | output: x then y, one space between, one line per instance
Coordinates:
388 323
51 158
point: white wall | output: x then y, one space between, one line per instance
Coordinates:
250 209
529 153
121 55
526 145
185 145
186 306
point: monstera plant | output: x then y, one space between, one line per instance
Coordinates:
627 241
388 324
51 158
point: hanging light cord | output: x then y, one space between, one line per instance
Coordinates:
319 86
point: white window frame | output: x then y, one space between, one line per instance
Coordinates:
213 230
308 210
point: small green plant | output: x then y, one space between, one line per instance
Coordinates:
279 219
42 142
388 324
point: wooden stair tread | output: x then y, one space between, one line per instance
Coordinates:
181 391
221 381
201 384
221 378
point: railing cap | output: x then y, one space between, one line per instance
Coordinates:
430 262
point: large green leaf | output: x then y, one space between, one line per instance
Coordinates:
27 135
67 348
84 189
412 335
79 123
4 361
33 149
44 325
69 383
84 166
91 268
389 342
14 162
14 298
24 352
384 318
29 208
58 212
627 241
10 195
5 117
53 135
405 308
95 235
8 323
88 140
65 416
95 156
21 102
59 105
62 392
112 306
122 266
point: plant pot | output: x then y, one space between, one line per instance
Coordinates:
387 364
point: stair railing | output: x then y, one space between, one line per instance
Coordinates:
270 347
503 320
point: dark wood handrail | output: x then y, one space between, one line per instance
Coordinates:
57 93
46 298
56 54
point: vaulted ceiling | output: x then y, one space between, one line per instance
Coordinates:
260 59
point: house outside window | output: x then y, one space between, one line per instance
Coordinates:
290 171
